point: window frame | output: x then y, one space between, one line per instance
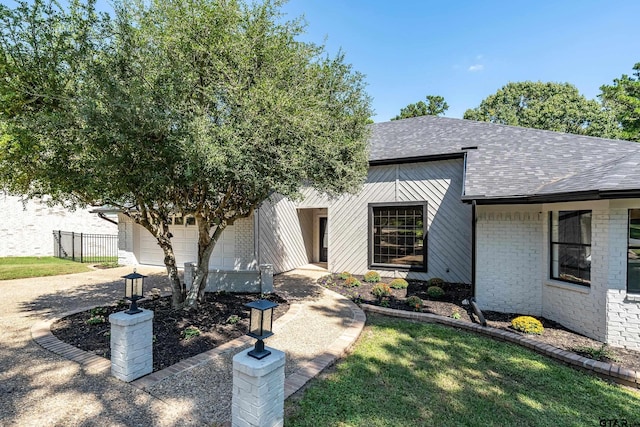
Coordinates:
552 243
371 236
629 248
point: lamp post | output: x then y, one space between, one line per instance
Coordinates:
133 290
260 326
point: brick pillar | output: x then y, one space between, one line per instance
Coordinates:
266 278
131 345
258 390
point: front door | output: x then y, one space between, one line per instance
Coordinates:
324 240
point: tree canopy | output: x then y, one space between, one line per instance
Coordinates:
551 106
623 97
434 106
188 107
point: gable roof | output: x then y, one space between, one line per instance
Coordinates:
508 164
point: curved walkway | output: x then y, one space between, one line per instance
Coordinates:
604 370
46 389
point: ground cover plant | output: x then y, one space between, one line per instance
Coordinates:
413 374
177 334
23 267
450 305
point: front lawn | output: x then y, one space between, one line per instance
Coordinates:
22 267
413 374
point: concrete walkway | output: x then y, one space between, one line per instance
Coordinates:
39 387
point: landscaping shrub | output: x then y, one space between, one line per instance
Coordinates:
352 282
96 320
399 284
435 292
414 302
344 275
381 290
372 277
455 314
190 332
528 325
436 281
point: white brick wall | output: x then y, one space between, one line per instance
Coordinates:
27 230
509 246
244 245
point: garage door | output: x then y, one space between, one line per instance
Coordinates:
185 248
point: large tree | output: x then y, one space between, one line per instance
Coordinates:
188 107
623 97
551 106
434 106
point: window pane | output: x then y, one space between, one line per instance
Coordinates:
633 252
397 239
570 233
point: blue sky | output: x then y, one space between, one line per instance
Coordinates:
466 50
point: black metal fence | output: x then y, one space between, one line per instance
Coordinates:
85 247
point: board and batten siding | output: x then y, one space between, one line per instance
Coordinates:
439 183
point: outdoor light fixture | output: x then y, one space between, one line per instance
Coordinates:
133 290
260 325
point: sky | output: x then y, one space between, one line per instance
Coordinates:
465 50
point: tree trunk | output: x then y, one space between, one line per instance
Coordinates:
178 290
206 244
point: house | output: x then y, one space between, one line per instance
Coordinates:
539 222
27 228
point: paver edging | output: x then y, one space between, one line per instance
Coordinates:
604 370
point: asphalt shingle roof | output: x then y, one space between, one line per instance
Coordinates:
512 162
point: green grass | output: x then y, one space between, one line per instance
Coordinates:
22 267
412 374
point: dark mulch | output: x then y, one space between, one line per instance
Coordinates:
554 333
214 319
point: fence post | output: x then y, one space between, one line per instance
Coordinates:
73 246
81 246
59 243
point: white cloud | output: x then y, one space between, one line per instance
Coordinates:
476 67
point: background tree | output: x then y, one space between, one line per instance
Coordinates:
434 106
551 106
188 107
623 97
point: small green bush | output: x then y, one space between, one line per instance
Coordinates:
435 292
372 277
381 290
414 302
344 275
528 325
190 332
436 281
233 319
455 314
352 282
96 320
98 311
399 284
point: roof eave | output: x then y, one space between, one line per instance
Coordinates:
575 196
417 159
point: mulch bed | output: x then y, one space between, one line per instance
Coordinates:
554 333
221 318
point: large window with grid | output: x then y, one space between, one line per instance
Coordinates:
633 252
571 246
398 234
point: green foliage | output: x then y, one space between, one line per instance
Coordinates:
344 275
97 311
96 320
190 332
435 292
434 106
372 277
455 315
352 282
195 108
326 280
233 319
528 325
435 281
414 302
381 290
399 283
623 98
550 106
603 353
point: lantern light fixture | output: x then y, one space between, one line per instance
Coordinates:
134 290
260 325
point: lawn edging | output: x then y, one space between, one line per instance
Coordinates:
608 371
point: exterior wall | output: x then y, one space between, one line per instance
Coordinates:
449 221
27 230
126 254
508 259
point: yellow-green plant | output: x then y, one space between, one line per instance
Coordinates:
372 277
399 284
352 282
344 275
381 290
528 325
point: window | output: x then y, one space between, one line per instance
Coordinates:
571 246
398 235
633 252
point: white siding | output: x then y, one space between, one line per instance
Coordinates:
27 230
